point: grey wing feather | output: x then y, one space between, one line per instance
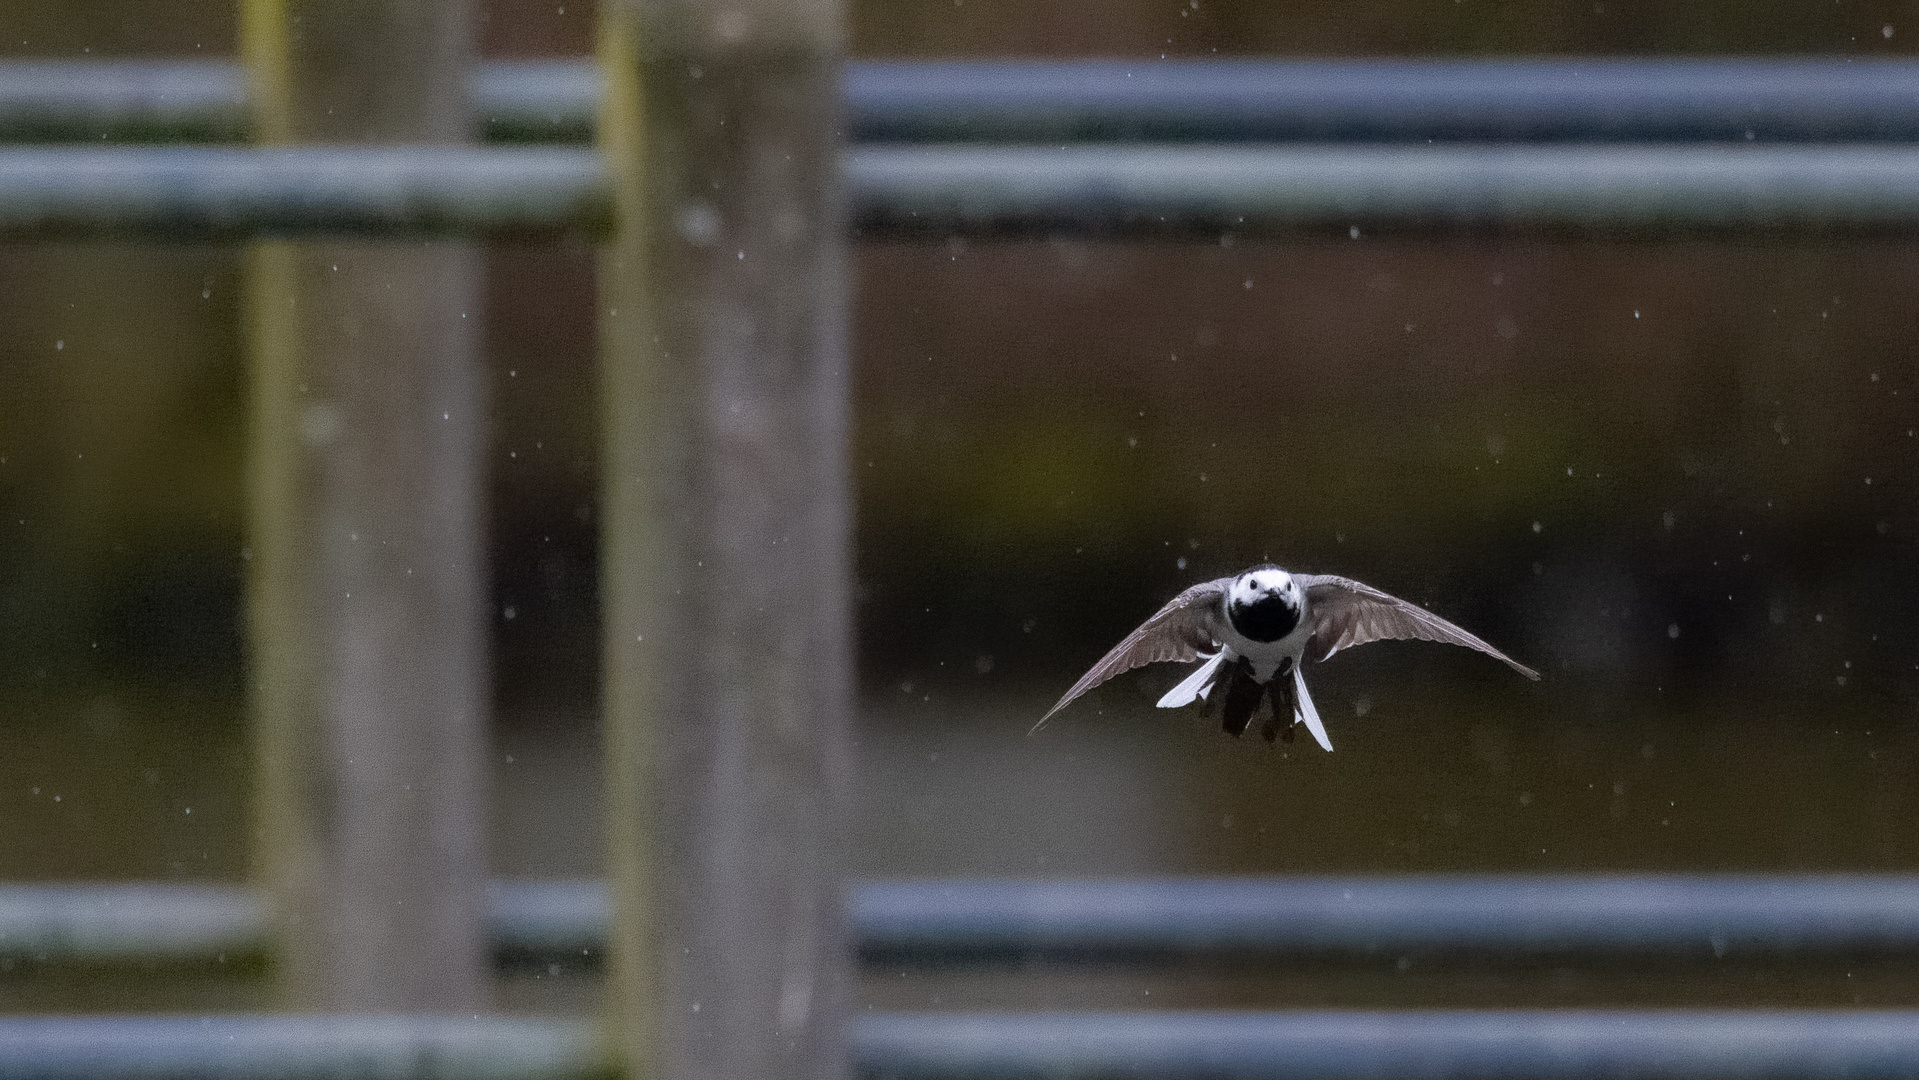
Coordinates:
1177 632
1347 613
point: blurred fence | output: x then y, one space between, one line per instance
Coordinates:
1684 100
1553 1044
1139 922
1654 169
1130 921
1703 144
210 193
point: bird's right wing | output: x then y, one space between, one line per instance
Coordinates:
1180 631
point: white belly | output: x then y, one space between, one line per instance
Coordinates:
1267 656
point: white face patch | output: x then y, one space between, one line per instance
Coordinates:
1255 586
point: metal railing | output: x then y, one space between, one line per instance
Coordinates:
299 1048
1672 150
1426 1045
232 193
1437 1045
1140 921
1701 916
215 193
1685 100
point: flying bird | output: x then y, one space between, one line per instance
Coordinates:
1254 630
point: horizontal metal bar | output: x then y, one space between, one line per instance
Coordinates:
1710 915
1436 1045
538 100
1687 914
1207 189
207 100
130 922
1763 99
1833 100
299 1048
1756 1045
549 918
98 100
212 192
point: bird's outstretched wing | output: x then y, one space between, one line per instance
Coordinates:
1180 631
1347 613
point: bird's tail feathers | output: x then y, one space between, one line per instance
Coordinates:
1307 713
1196 685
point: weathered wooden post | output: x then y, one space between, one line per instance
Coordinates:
366 598
726 537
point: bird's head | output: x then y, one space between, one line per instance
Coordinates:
1265 603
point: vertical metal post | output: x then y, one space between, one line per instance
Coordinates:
726 539
366 597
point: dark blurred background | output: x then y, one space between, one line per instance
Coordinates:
1675 474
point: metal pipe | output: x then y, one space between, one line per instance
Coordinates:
130 923
1702 915
1416 1045
1213 189
299 1048
1550 99
121 100
1424 1045
1705 915
203 193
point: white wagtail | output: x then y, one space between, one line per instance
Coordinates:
1259 626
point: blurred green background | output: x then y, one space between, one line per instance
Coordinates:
1677 475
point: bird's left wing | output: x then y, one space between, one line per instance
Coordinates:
1345 613
1180 631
